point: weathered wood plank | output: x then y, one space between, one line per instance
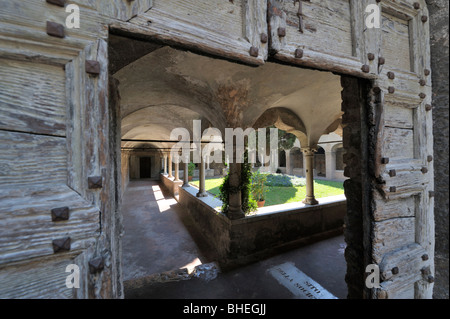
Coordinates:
318 51
33 98
409 180
392 234
402 98
406 261
221 17
396 42
37 279
399 117
75 110
217 28
256 25
27 159
28 230
26 21
401 207
400 288
326 26
398 143
123 10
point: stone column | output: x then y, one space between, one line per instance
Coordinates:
330 164
288 162
170 165
234 198
186 172
165 164
177 165
309 166
202 190
252 159
304 165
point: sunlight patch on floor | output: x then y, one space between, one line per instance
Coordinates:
163 203
191 266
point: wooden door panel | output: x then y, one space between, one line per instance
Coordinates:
28 229
319 34
403 236
30 159
230 29
333 37
37 279
326 26
33 98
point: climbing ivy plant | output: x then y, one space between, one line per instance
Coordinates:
248 202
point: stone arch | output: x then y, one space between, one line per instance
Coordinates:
283 119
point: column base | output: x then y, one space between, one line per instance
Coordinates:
310 201
233 215
185 184
202 194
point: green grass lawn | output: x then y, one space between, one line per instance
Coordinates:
277 195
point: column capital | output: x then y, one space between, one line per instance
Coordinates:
309 151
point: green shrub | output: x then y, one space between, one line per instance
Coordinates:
248 203
259 188
191 168
284 180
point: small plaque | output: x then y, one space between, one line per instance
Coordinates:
299 283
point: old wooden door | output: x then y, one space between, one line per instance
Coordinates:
397 220
58 155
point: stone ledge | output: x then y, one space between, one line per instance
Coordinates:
171 185
206 272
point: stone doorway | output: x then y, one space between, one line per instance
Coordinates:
145 166
180 106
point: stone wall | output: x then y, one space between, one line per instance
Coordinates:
171 185
125 170
353 123
340 166
439 15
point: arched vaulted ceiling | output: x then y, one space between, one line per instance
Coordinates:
169 88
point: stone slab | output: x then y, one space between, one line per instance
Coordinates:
299 283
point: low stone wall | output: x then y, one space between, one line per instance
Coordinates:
339 175
208 173
170 185
238 242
